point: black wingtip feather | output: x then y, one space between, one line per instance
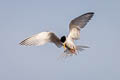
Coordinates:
90 13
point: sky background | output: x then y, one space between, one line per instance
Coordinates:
22 18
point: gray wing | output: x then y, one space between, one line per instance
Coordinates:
41 39
78 23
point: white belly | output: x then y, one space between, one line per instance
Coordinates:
70 44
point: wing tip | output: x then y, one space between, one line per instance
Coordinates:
89 13
24 43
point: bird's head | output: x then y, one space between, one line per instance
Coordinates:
63 39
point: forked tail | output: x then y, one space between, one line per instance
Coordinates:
67 53
81 47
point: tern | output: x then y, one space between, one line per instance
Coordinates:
66 41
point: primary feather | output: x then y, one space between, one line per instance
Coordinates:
41 39
78 23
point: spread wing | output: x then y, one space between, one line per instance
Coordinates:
78 23
41 39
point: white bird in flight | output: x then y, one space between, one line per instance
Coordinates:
67 42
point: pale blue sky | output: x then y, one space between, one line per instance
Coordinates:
22 18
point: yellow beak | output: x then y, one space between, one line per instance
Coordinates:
64 46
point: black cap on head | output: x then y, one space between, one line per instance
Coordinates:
63 39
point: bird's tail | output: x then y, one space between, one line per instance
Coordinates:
67 53
81 47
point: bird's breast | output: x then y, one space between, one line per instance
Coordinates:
70 46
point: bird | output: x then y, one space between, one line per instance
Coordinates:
67 42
